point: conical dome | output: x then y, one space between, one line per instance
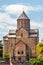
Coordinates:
23 21
23 16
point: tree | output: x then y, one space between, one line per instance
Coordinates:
39 49
6 57
36 61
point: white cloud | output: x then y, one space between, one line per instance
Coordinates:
2 27
16 9
6 18
7 27
36 24
3 33
11 27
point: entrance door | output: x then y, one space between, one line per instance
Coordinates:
19 58
27 57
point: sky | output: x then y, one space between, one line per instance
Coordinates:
10 10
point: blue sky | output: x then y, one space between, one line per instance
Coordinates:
11 9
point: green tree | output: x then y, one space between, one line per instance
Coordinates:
36 61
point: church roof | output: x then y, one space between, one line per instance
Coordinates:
12 32
20 41
23 16
20 28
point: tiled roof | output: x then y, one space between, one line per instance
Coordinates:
23 16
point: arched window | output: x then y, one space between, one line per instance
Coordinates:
21 34
22 52
18 52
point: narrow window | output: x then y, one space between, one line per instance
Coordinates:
19 58
22 52
21 34
18 52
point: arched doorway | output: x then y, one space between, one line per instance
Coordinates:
20 51
19 58
27 57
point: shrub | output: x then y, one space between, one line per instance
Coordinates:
6 55
36 61
32 61
41 45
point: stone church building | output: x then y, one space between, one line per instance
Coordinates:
21 44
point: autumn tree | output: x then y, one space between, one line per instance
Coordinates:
39 49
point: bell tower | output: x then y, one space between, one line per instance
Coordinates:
23 21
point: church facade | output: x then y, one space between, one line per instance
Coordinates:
21 44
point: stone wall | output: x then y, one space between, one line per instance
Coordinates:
15 63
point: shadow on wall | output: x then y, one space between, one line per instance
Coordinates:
28 52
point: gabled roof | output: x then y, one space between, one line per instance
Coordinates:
20 41
20 28
23 16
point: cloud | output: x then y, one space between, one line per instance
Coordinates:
39 26
36 24
16 9
6 18
3 33
9 21
11 27
4 27
6 22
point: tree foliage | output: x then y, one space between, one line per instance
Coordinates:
36 61
6 55
39 49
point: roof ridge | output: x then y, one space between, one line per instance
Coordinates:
23 16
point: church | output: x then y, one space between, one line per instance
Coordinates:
21 43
